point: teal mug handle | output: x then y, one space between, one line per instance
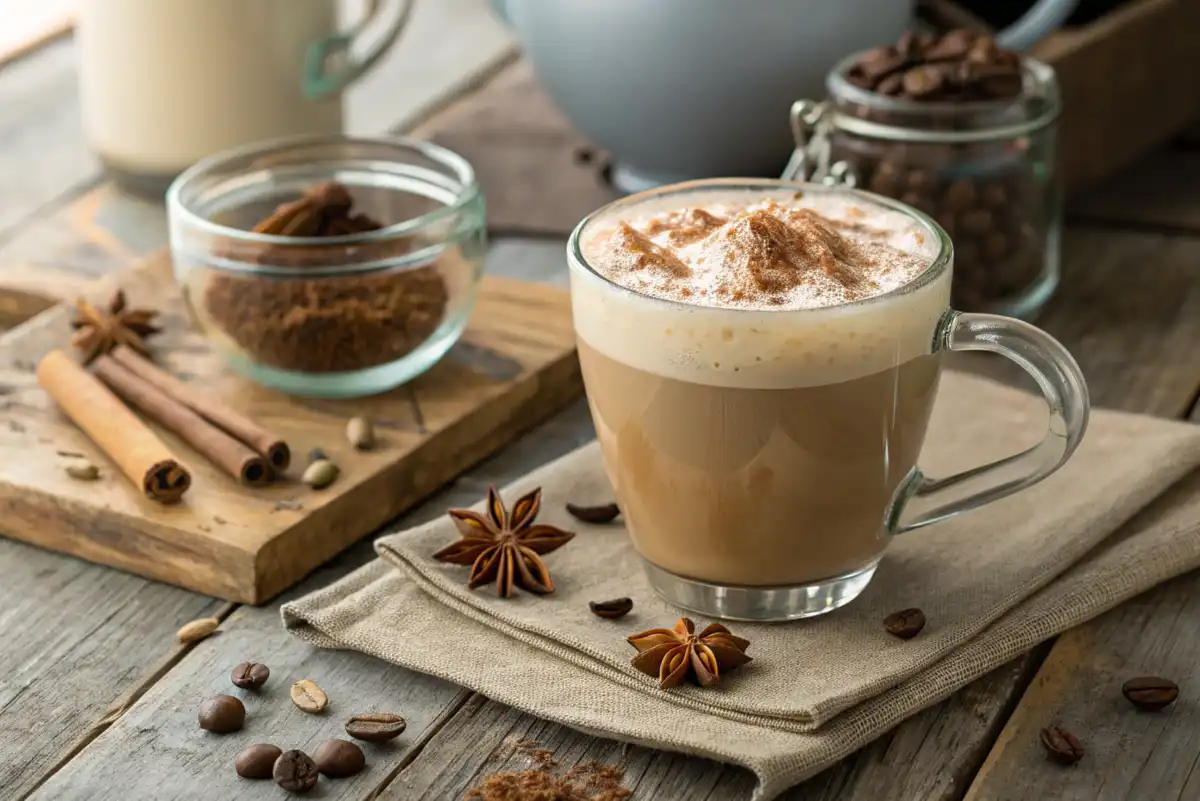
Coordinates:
319 80
1037 23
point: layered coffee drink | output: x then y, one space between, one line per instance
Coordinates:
760 366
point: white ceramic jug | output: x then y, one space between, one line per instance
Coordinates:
681 89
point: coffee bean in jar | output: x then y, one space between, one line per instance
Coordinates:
962 130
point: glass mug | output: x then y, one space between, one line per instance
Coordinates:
763 459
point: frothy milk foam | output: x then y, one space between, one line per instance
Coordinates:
694 306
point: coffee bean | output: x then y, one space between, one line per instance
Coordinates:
197 629
338 759
604 513
905 624
924 81
1061 746
375 727
295 771
921 181
222 714
250 675
892 85
977 223
959 197
618 607
309 697
1150 693
994 196
257 761
995 246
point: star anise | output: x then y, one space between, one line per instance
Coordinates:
98 331
674 655
504 546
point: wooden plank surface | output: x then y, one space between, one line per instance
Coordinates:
79 642
175 759
1129 755
930 757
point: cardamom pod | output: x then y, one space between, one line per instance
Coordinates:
320 474
361 433
197 630
82 470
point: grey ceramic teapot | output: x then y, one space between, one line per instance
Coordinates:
682 89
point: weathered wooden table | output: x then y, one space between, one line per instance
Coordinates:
97 701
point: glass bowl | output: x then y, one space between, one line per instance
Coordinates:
331 316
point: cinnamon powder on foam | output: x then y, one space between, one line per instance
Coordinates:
761 256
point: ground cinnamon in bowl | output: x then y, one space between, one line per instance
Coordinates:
329 266
331 323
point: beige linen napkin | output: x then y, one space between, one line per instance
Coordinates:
992 583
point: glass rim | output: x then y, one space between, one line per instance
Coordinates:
179 211
941 262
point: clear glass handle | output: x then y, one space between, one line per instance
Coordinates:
924 500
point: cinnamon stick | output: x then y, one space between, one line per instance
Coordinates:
211 442
231 421
114 428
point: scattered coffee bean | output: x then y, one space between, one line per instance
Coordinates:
361 433
82 470
222 714
197 630
316 455
617 607
338 759
905 624
375 727
250 675
295 771
257 761
320 474
309 697
1061 746
1150 693
605 513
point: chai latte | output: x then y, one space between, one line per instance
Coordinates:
760 369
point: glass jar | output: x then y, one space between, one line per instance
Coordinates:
333 316
986 171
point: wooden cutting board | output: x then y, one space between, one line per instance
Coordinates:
506 375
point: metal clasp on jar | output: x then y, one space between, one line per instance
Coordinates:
811 128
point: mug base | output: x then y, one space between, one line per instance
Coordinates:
760 604
145 185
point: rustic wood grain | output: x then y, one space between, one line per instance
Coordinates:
177 760
42 147
234 542
1129 755
1161 191
1127 85
78 642
1129 311
930 757
540 175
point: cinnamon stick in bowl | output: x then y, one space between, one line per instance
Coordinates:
117 431
211 442
230 420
